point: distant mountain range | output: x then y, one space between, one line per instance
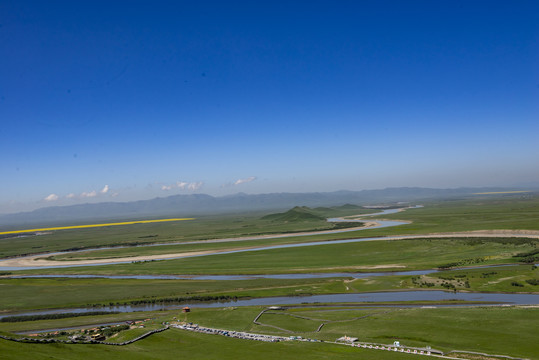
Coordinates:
200 204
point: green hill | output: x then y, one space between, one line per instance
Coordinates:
347 207
323 209
298 213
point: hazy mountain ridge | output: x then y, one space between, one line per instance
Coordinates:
198 204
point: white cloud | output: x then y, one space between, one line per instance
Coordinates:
89 194
243 181
85 194
195 186
115 194
181 184
51 197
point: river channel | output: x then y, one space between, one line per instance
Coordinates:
357 298
481 299
380 224
357 275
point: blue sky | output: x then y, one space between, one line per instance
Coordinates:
127 100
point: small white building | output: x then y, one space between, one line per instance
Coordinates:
347 339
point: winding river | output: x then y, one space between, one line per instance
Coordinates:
358 298
354 275
35 262
32 262
480 299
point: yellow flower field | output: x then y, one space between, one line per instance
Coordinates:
92 225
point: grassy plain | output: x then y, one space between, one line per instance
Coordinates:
382 255
182 344
21 294
480 212
201 228
496 279
498 330
509 212
495 330
79 322
470 329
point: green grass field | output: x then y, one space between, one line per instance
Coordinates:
477 213
446 329
201 228
495 330
20 294
78 322
470 329
498 279
182 344
382 255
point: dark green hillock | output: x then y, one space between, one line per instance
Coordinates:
299 213
323 209
347 207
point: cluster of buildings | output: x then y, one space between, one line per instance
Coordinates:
229 333
398 347
395 347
